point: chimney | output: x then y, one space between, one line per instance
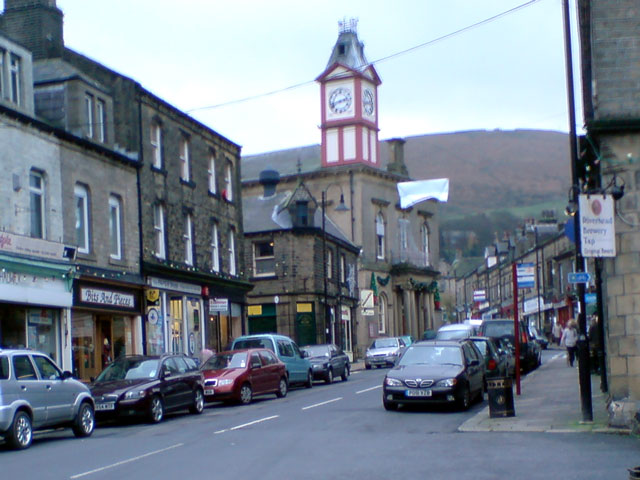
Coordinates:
396 161
269 179
36 24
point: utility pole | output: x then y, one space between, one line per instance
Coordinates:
584 371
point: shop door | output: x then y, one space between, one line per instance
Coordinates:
306 328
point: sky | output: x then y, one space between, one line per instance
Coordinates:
218 60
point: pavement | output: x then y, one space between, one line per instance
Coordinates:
549 401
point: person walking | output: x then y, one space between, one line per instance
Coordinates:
570 340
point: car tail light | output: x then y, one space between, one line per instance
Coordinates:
492 364
523 337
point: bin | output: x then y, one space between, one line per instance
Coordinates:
500 394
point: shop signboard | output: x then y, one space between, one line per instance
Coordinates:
597 232
34 247
218 305
99 296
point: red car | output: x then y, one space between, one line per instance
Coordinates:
239 375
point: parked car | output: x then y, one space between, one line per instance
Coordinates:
455 331
530 353
35 394
241 375
298 368
495 360
148 386
538 337
407 339
435 371
383 352
429 334
507 350
328 361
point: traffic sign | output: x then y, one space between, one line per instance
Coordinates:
579 277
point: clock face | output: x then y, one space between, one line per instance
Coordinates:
367 101
340 100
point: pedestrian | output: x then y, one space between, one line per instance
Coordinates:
570 340
557 333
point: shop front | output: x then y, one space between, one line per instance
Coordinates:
224 323
35 298
173 317
106 323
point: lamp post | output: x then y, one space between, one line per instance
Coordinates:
340 208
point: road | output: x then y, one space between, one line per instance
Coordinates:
330 431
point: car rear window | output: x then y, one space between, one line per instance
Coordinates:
497 329
4 368
254 343
453 334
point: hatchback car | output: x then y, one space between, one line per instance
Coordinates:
328 361
530 352
298 368
35 394
240 375
495 360
435 371
384 352
455 331
149 386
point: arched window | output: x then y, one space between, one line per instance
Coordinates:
424 233
380 236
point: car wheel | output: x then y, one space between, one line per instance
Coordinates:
156 409
329 377
85 421
465 399
20 434
309 382
345 373
198 402
283 388
246 394
390 406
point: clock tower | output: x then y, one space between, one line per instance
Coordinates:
349 97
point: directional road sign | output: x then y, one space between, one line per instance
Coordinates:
579 277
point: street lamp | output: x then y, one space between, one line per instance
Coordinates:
341 207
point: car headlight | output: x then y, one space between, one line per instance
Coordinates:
368 354
134 394
447 382
392 382
226 381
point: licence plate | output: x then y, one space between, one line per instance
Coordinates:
208 391
106 406
423 392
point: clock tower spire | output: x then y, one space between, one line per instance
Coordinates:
349 103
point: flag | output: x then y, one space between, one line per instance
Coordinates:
374 287
418 191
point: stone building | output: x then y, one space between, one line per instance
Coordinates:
398 262
188 252
610 52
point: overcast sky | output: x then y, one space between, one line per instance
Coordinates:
505 74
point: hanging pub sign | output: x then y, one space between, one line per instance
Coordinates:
597 230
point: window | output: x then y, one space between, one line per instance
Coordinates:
329 260
14 78
228 182
215 251
425 243
102 121
158 227
156 145
188 241
88 109
380 236
382 318
36 193
232 252
2 86
403 226
213 187
302 213
184 159
343 269
82 218
263 258
46 368
115 228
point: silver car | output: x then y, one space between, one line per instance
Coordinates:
35 394
384 352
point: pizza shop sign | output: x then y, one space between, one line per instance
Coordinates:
107 297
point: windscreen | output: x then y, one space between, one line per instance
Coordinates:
226 361
384 343
432 355
130 369
317 351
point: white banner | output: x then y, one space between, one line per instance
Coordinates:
597 229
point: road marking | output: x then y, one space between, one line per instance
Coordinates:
237 427
368 389
321 403
123 462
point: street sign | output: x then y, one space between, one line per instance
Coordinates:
579 277
525 275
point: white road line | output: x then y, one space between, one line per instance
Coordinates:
237 427
123 462
368 389
321 403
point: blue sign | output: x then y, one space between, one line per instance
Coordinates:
525 274
579 277
590 298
